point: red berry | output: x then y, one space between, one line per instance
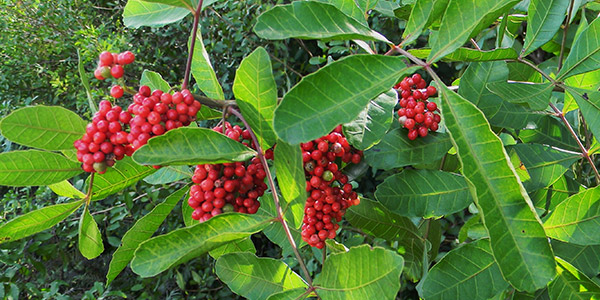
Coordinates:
431 90
117 71
106 58
116 91
431 106
126 58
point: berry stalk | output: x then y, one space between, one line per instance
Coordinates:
188 65
271 183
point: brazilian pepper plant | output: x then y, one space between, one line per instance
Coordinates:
485 184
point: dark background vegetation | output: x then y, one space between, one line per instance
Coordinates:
39 45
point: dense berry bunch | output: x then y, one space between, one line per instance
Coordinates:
105 140
416 113
155 113
330 194
111 64
230 186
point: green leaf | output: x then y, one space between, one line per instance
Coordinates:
207 113
335 247
241 245
138 13
544 164
550 131
141 231
123 174
66 189
589 105
585 53
36 221
321 101
34 167
576 219
498 112
256 95
396 150
311 20
90 238
256 277
360 272
424 12
570 283
155 81
348 7
189 4
543 21
203 72
191 146
517 237
165 251
275 232
291 181
424 193
535 95
372 122
375 219
168 174
43 127
466 272
584 258
293 294
83 76
586 81
468 54
463 19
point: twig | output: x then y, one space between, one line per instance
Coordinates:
523 61
188 65
271 183
475 44
564 37
285 65
584 151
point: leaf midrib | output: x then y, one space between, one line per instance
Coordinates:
488 184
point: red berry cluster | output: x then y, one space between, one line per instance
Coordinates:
111 64
105 139
114 133
229 186
416 113
155 113
330 194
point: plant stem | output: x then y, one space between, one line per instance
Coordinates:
564 37
271 183
188 65
88 195
523 61
584 151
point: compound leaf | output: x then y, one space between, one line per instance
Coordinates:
321 100
424 193
256 95
44 127
34 167
36 221
311 20
191 146
141 231
517 237
164 251
256 277
360 272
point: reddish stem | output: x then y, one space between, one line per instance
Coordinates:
188 65
271 183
